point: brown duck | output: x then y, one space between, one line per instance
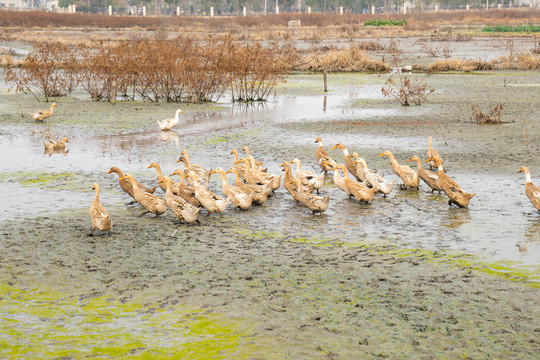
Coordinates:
532 191
450 187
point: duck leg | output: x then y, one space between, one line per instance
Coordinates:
144 213
92 232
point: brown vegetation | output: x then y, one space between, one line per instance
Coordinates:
349 22
353 58
494 116
180 69
48 69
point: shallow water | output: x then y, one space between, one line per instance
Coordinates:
501 224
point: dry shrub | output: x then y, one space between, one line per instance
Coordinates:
352 58
6 60
458 65
493 118
254 70
48 69
521 61
159 69
371 46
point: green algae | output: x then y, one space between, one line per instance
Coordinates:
42 323
509 270
51 181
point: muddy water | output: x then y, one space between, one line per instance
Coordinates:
275 271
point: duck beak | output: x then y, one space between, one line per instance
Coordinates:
381 154
212 172
409 160
149 166
519 170
93 187
428 160
333 147
354 162
161 180
108 172
122 178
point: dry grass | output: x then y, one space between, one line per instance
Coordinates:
347 24
509 62
353 58
492 118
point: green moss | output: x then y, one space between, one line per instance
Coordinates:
39 323
513 271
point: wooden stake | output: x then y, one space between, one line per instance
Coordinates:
325 83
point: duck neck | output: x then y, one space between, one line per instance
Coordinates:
223 178
528 177
117 171
346 152
158 169
235 155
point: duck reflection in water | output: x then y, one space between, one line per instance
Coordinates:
50 152
170 135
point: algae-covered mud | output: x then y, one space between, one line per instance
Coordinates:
406 276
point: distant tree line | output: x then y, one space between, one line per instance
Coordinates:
235 7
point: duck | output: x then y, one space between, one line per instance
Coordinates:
184 191
259 164
376 181
323 158
56 145
150 202
349 164
265 185
339 181
360 192
259 194
126 184
450 187
210 201
432 152
100 217
238 165
263 176
202 174
317 204
180 207
429 177
409 176
532 191
360 170
313 181
240 199
290 185
41 115
169 123
163 184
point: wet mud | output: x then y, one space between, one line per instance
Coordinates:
405 277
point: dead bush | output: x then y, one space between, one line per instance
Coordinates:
49 69
403 88
352 58
492 118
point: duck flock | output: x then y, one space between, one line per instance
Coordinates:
254 184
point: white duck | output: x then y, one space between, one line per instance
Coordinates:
168 124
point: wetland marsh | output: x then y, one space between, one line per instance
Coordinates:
404 277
